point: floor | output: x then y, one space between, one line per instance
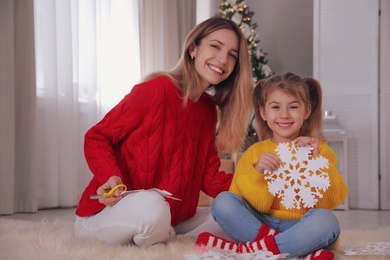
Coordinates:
349 219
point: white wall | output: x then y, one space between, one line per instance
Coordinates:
204 10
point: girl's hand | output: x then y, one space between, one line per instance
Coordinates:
268 161
106 187
306 140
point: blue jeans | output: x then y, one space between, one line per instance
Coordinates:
318 229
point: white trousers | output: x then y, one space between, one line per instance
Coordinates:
143 218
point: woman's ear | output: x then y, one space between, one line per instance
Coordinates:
191 51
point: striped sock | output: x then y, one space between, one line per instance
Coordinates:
265 231
209 240
321 254
266 244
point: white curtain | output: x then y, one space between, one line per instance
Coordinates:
164 26
64 64
87 59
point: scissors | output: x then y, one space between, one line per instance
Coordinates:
125 192
110 193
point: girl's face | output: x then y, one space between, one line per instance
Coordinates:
215 57
284 114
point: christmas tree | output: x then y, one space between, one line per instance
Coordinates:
238 12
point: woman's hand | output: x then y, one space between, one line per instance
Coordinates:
106 187
306 140
268 161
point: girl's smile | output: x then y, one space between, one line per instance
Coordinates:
285 115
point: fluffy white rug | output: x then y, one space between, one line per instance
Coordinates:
20 239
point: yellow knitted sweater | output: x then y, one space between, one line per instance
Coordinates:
252 185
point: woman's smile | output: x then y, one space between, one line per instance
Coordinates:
216 69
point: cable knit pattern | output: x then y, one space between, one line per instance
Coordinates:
151 141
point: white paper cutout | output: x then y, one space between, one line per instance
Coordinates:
373 248
219 254
301 177
163 193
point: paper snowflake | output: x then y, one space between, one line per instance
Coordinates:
220 254
369 248
301 180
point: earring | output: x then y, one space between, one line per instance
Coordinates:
192 56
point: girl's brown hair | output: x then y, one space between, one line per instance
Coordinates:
306 89
231 95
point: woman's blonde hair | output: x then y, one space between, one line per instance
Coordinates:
232 95
306 89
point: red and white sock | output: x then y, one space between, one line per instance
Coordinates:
266 244
317 255
265 231
209 240
321 254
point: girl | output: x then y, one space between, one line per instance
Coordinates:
257 215
163 135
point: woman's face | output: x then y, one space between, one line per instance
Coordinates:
216 57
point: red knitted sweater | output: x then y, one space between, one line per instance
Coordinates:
151 141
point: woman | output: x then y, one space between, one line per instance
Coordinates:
163 135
